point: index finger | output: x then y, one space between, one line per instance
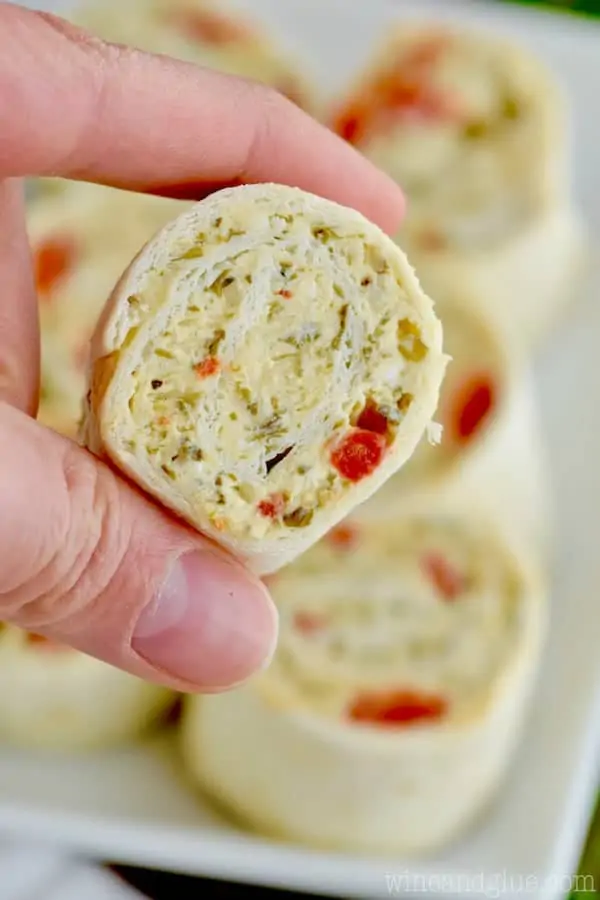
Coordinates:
74 106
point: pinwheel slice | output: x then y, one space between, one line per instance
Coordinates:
82 237
476 131
202 32
265 364
56 698
407 657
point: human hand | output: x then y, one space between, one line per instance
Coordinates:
85 559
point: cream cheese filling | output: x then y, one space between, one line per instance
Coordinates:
259 351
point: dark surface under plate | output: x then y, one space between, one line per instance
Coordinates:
163 886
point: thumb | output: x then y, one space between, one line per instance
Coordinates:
88 561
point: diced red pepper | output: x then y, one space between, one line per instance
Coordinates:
344 536
272 507
358 454
397 100
309 623
208 367
403 90
372 419
419 100
210 27
42 642
448 581
352 123
53 259
402 94
287 295
472 407
393 708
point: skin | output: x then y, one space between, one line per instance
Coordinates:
86 559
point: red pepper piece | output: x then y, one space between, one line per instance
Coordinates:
287 295
405 89
397 708
344 536
348 127
372 419
272 507
449 582
208 367
309 623
352 123
52 261
472 407
358 454
405 96
43 642
403 93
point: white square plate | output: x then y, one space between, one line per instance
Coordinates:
133 806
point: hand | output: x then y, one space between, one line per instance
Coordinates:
85 559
